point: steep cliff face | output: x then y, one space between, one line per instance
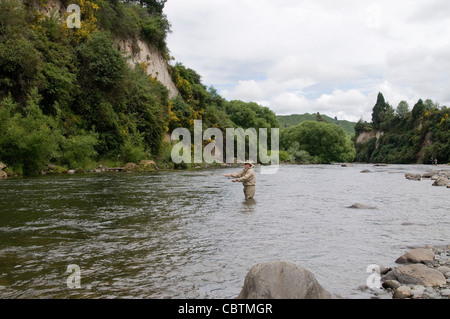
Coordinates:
53 7
139 52
365 137
154 62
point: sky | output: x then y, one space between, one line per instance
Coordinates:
326 56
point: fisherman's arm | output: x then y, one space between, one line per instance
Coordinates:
236 175
245 177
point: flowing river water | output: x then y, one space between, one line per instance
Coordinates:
191 234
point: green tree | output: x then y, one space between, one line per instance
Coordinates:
31 140
327 142
402 110
297 155
361 126
430 105
21 64
388 118
418 110
154 7
379 111
60 86
196 102
251 114
79 151
319 117
101 67
147 107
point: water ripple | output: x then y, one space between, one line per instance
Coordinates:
191 234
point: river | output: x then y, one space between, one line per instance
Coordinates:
191 234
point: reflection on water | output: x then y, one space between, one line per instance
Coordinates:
248 206
191 234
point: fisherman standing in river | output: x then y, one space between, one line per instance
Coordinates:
247 178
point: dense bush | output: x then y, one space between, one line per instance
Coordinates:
28 139
418 136
68 97
321 142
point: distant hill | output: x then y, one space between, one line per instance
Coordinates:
295 119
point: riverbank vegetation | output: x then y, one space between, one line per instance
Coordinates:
67 97
316 142
295 119
70 99
403 135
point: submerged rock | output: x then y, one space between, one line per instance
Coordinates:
413 177
361 206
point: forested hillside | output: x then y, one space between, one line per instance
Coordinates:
404 135
295 119
69 97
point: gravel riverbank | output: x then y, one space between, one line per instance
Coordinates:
423 273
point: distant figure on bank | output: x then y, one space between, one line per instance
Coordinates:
247 178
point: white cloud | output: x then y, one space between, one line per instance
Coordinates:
325 56
249 90
350 105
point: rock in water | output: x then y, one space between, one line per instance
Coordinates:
441 181
416 274
418 255
413 177
281 280
361 206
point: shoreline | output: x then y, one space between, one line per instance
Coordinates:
149 166
423 272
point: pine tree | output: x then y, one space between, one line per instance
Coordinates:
379 111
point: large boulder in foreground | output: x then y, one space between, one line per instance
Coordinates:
281 280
